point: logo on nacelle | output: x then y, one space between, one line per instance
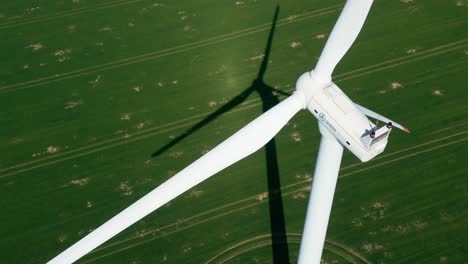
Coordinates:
322 116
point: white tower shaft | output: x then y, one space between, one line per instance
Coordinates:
321 199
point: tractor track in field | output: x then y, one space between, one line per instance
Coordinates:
219 39
165 52
252 201
266 240
149 132
61 14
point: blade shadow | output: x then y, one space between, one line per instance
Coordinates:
269 98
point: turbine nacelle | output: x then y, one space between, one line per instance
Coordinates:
309 84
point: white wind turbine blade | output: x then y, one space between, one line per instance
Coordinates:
243 143
344 33
377 116
321 198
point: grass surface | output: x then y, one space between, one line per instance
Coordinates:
89 90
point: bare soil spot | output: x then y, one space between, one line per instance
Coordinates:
176 154
62 238
126 188
411 51
407 1
396 85
262 196
258 56
35 47
372 247
52 149
137 88
438 92
72 104
320 36
195 193
300 195
296 136
295 44
212 103
89 204
80 182
105 29
126 116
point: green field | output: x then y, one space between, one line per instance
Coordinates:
90 90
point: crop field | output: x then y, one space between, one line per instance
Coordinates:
102 101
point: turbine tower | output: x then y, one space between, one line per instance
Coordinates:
342 123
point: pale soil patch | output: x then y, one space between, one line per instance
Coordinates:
443 259
396 85
262 196
296 136
176 154
295 44
291 18
32 9
259 56
131 24
187 28
35 47
140 125
126 116
72 104
186 249
52 149
407 1
445 217
95 82
175 82
80 182
105 29
195 193
411 51
63 55
372 247
205 149
320 36
183 17
212 103
126 188
160 84
420 225
238 3
300 195
137 88
71 28
62 238
306 176
26 66
438 92
89 204
462 3
42 64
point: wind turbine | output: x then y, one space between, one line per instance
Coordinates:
342 123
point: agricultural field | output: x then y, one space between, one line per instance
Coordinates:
102 101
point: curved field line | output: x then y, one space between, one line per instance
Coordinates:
125 139
257 202
164 52
265 240
74 12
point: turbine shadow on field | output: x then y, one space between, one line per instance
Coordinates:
269 99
